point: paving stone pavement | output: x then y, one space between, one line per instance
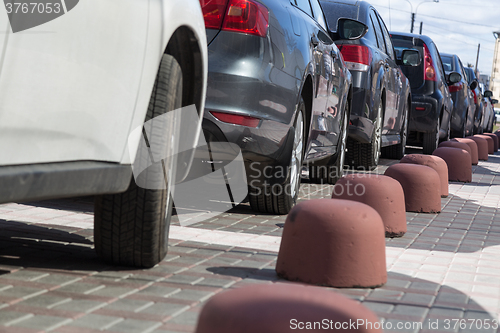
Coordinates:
444 274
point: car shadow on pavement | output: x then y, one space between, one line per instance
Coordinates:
50 247
402 299
77 204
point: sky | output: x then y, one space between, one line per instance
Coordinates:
456 26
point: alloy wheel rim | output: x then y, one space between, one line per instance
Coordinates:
343 142
296 163
404 137
378 134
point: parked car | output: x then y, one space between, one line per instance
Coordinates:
478 99
497 115
432 105
489 111
73 90
279 89
462 118
381 93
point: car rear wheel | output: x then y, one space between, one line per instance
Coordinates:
131 228
431 139
329 174
280 198
369 153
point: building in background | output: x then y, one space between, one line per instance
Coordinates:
495 71
485 80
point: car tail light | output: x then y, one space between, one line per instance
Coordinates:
236 119
357 57
455 87
420 108
213 12
245 16
475 96
429 69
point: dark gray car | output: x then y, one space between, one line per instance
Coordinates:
382 96
432 104
462 118
478 99
279 89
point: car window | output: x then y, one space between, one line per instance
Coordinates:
462 69
334 11
437 60
318 13
378 31
447 63
304 5
388 42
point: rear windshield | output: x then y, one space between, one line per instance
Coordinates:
333 11
414 74
448 63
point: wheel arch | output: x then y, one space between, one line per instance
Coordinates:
307 93
189 57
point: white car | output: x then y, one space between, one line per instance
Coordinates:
74 88
497 115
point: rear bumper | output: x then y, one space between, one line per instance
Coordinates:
423 120
266 150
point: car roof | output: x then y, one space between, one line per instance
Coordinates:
426 39
448 55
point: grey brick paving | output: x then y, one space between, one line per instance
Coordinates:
445 267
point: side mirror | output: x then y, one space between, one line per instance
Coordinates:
494 101
454 77
488 93
473 85
410 57
351 29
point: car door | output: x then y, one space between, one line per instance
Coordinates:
68 87
394 84
329 90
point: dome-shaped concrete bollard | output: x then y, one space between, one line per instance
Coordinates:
495 141
382 193
421 185
458 161
333 242
435 162
456 144
482 147
491 145
280 307
473 148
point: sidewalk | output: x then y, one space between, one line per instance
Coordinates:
445 272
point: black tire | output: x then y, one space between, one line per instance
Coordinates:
397 151
280 198
330 174
431 139
131 228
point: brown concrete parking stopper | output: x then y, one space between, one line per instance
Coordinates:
421 185
456 144
280 307
435 162
333 242
491 145
458 161
495 141
382 193
482 147
473 148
